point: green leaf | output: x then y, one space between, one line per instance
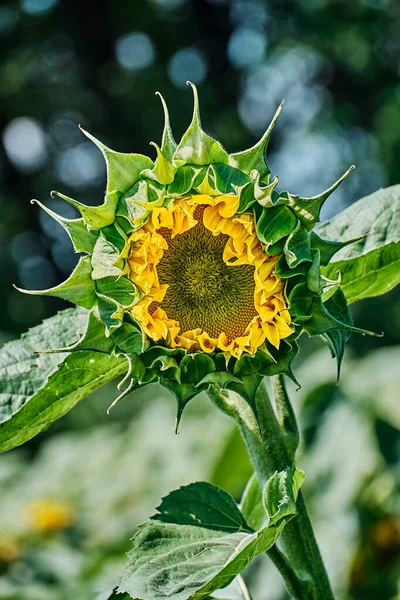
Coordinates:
371 266
297 248
122 169
128 338
284 359
122 290
186 179
280 494
202 505
328 249
251 504
111 313
322 321
275 223
37 390
166 367
226 179
78 289
191 558
104 259
196 366
82 239
336 339
196 147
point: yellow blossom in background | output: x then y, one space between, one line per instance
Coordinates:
46 515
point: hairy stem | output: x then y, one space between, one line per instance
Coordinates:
307 578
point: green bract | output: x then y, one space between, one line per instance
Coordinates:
284 225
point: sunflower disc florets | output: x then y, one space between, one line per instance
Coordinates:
198 270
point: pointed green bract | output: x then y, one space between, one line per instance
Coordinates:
196 147
95 217
78 289
82 239
163 171
255 158
168 144
122 169
308 209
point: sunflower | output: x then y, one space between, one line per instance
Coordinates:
207 284
198 271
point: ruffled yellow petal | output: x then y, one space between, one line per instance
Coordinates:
272 320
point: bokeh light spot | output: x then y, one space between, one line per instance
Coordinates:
25 144
135 51
187 64
80 166
37 7
246 47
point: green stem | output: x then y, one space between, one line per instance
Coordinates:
307 576
293 584
285 415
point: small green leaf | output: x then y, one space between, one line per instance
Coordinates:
200 541
300 301
371 266
280 494
275 223
322 321
111 313
104 258
336 339
288 351
128 338
297 248
328 249
202 505
122 290
78 289
186 179
314 279
195 367
247 388
227 179
196 147
264 193
166 367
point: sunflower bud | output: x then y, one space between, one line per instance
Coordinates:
198 270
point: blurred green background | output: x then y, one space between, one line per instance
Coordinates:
70 499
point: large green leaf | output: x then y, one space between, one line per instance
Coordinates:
199 542
371 266
35 390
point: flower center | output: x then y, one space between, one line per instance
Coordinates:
203 291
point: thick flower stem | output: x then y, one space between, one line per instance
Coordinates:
299 559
